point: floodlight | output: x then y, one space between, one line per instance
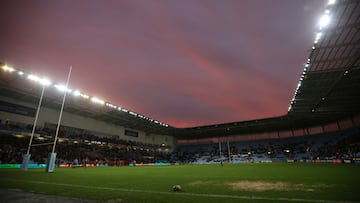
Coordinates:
111 105
7 68
84 96
133 113
331 2
96 100
33 77
325 20
45 82
318 35
20 73
61 88
77 93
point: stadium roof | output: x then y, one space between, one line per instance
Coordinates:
328 89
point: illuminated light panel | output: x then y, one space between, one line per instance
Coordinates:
33 77
331 2
61 88
84 96
7 68
45 82
76 93
97 100
111 105
325 20
133 113
318 35
20 73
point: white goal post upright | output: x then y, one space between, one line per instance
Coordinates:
220 155
52 157
229 152
26 157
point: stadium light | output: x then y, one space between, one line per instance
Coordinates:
76 93
84 96
45 82
7 68
111 105
61 88
33 77
331 2
96 100
324 20
318 35
133 113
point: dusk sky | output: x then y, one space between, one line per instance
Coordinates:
183 62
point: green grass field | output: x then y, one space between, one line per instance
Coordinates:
262 182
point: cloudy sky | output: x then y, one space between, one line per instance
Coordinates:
182 62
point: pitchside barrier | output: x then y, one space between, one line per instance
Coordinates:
335 161
19 166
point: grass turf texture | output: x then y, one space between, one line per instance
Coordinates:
263 182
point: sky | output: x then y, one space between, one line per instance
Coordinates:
183 62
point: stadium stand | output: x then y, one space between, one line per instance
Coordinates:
322 123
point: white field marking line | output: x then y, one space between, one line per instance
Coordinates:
185 193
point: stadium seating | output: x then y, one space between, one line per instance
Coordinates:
87 148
